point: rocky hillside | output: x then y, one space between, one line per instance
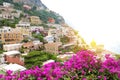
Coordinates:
37 9
36 3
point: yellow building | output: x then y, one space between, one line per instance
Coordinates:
11 37
35 20
24 28
24 31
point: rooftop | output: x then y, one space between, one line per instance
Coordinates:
48 61
9 45
14 67
11 53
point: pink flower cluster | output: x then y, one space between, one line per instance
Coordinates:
83 66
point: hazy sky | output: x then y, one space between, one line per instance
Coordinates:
94 19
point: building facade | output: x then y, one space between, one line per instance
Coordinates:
10 47
35 20
36 28
14 57
5 29
53 47
24 28
11 37
6 15
49 39
5 4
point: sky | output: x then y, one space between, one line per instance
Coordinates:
94 19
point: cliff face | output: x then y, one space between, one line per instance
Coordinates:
36 3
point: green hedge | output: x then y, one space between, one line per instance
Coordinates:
37 58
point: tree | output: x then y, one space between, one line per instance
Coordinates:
117 56
25 40
1 45
34 8
8 22
1 2
9 1
64 39
21 50
36 58
18 6
39 36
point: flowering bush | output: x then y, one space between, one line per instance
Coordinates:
83 66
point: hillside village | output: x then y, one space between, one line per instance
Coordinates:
37 44
21 34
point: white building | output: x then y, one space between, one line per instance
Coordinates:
5 29
66 56
10 47
54 25
11 53
5 4
49 39
23 24
48 61
52 32
33 28
6 15
2 60
14 68
37 44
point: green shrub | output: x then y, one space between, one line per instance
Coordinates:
37 58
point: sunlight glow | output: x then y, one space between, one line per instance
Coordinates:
94 19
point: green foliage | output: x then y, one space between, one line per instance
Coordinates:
43 14
1 48
14 12
34 8
21 50
36 58
1 2
21 15
83 41
9 1
117 56
1 51
38 36
76 32
25 40
64 39
1 45
7 22
18 6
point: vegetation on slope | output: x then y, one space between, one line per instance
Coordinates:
7 22
36 58
44 14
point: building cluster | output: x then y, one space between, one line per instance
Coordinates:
8 12
12 39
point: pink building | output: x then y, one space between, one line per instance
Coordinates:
13 57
